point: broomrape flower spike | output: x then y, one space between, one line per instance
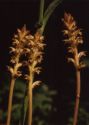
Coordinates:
74 38
34 53
16 52
18 44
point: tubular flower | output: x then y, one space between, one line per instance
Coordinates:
73 38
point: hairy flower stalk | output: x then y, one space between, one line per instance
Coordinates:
34 54
74 38
18 44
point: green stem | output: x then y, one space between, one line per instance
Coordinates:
44 16
41 12
10 101
24 109
52 6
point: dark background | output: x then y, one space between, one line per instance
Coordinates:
57 73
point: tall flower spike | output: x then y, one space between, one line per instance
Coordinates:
34 53
18 44
74 38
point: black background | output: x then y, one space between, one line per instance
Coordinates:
57 73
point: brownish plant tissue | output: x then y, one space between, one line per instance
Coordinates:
73 39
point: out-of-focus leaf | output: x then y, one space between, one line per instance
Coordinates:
19 95
20 86
52 93
49 11
86 62
41 122
16 107
16 115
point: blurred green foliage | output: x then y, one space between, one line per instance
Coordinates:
42 103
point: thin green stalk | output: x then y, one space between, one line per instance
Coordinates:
10 101
52 6
41 12
44 16
24 109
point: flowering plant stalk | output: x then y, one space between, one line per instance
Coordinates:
16 51
44 16
33 52
74 39
31 46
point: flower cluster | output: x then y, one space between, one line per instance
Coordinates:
34 48
29 46
74 38
34 51
16 51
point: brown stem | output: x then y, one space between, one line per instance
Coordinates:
77 98
30 96
10 101
77 89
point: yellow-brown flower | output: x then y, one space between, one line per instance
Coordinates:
34 50
74 38
19 41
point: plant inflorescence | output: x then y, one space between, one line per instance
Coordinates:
74 39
